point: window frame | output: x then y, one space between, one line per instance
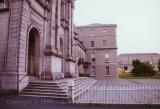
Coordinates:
93 71
106 58
92 44
107 72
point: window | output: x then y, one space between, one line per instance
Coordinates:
93 71
62 10
2 4
93 58
104 43
92 43
106 58
107 71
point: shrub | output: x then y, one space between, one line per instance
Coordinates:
142 69
84 75
86 64
159 65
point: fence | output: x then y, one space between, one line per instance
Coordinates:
120 95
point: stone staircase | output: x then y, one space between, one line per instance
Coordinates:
82 84
57 89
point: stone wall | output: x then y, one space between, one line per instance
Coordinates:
4 21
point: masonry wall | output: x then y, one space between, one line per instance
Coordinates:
4 16
22 17
100 33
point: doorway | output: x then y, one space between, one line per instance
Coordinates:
33 64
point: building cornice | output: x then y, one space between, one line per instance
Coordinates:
103 48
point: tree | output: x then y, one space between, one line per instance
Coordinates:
159 64
136 63
142 68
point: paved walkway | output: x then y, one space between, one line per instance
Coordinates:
19 102
122 91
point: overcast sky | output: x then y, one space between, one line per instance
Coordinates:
138 21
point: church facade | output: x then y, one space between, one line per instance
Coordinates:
36 41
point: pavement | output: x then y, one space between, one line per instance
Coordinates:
19 102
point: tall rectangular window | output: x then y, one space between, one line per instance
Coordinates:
92 43
107 71
106 58
93 71
93 58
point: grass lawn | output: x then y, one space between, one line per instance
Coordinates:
126 75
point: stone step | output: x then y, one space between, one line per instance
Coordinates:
44 90
45 87
56 89
84 85
48 82
45 93
80 79
55 97
80 91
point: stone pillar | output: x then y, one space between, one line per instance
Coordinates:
70 62
11 78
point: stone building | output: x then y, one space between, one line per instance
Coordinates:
36 38
100 42
127 59
79 53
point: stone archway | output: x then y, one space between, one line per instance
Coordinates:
33 65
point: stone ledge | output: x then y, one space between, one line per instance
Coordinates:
52 53
70 59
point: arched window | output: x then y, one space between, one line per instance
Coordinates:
2 4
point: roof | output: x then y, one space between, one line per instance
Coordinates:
127 54
97 25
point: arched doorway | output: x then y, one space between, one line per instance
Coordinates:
33 53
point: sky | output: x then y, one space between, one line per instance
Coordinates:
138 22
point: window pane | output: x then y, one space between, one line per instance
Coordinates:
107 70
106 55
92 43
93 70
93 59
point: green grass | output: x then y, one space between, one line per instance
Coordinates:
126 75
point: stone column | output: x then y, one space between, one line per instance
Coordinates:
10 78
